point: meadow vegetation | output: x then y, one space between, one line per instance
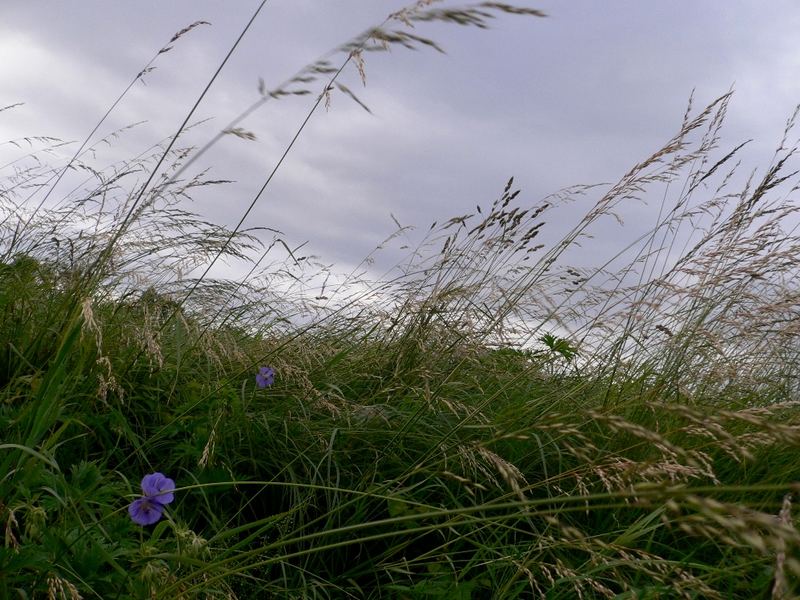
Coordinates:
485 421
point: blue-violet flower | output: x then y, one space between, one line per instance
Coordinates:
145 511
158 492
265 377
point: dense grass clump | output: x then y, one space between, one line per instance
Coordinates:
486 421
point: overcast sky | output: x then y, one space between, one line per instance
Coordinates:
577 97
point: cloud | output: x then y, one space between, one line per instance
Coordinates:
577 97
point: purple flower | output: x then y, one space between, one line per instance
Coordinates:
265 377
145 511
158 487
157 491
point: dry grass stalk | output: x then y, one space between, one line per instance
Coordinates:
10 539
780 587
59 588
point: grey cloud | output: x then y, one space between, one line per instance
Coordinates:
577 97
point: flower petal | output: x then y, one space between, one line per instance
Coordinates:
158 487
144 511
265 377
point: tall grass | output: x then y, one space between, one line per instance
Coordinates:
484 420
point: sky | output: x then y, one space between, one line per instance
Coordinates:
577 97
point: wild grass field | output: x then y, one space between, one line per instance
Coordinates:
486 420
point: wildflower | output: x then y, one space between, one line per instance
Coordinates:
158 492
145 511
158 486
265 377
